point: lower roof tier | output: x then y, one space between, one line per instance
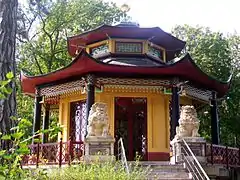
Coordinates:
83 64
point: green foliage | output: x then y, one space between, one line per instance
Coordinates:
4 88
218 56
46 50
42 33
209 49
10 160
25 104
101 171
230 114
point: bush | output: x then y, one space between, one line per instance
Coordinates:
98 171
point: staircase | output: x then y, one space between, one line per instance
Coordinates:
162 170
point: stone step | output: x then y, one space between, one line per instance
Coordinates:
165 167
176 174
161 167
169 176
151 162
167 170
161 178
163 170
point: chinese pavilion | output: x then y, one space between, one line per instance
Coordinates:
138 73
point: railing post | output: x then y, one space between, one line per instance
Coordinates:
60 153
227 156
239 156
205 149
38 149
69 151
175 153
212 153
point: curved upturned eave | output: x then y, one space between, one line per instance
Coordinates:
155 31
84 63
222 87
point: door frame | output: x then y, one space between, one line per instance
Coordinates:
145 157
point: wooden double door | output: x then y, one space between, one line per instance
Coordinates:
131 125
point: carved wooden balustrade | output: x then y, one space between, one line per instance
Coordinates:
224 155
70 152
59 153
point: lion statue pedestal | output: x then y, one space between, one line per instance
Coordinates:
99 144
188 130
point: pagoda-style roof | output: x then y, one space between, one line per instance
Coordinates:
184 68
156 35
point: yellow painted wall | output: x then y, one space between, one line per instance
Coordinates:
158 130
158 123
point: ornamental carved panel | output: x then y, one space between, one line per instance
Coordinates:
128 47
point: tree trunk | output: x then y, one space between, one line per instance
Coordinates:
8 28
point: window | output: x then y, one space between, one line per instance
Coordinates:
128 47
78 125
95 51
155 52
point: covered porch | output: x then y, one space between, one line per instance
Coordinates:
138 114
150 96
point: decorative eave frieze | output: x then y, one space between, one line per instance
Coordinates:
133 81
196 93
110 84
64 88
133 89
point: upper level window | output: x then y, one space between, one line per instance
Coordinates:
155 52
95 51
128 47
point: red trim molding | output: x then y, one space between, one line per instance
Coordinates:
158 156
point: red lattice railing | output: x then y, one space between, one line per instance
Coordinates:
54 153
217 154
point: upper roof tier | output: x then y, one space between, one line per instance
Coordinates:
155 35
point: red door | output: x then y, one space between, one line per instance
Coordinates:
131 125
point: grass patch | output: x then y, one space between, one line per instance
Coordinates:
98 171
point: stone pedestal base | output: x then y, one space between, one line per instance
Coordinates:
196 144
99 148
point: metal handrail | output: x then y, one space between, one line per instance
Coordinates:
122 156
192 164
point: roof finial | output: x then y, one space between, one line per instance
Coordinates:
125 8
126 21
